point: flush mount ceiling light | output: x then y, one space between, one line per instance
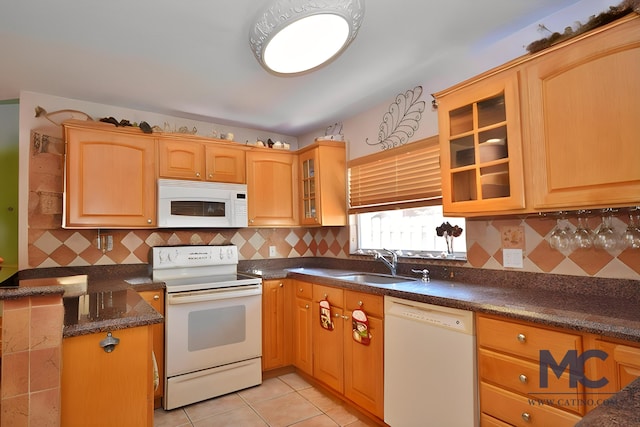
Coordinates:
295 36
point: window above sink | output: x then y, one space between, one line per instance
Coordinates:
410 232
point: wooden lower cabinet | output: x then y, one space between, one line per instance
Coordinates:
620 367
364 364
302 327
534 375
509 371
349 367
156 300
108 389
273 324
328 345
517 410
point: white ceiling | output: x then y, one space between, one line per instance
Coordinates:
192 59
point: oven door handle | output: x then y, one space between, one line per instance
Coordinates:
213 294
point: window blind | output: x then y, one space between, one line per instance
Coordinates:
402 177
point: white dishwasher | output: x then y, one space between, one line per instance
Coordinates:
430 365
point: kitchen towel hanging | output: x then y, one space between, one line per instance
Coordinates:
325 315
360 326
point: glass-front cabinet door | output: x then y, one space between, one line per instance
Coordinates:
481 148
309 200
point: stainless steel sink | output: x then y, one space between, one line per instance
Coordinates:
373 278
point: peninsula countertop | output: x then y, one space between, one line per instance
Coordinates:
108 301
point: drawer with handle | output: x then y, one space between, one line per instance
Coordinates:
523 377
518 410
524 340
303 289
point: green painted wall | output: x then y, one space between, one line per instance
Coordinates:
9 111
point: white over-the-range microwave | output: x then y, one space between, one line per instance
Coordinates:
195 204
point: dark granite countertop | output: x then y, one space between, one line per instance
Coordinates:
109 301
620 410
603 315
107 305
608 307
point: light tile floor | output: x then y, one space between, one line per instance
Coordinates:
287 400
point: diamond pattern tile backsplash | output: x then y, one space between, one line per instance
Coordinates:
50 246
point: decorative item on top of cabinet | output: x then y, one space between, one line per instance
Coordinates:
323 197
581 119
107 389
181 157
156 300
272 188
110 177
481 147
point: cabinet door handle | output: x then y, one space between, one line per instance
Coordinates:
526 417
197 174
523 378
210 175
280 285
522 338
345 317
300 289
306 306
156 297
149 221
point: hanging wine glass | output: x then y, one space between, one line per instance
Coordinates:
560 237
583 236
606 236
631 236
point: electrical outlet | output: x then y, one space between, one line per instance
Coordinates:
272 251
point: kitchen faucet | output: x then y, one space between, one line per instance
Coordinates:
393 265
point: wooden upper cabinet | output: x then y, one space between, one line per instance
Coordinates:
481 146
555 130
225 164
323 199
583 120
272 188
181 159
201 161
110 177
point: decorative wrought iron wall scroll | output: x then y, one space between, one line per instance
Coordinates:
401 121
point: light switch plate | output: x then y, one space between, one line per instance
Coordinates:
272 251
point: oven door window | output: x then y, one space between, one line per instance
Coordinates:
205 329
198 208
216 327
